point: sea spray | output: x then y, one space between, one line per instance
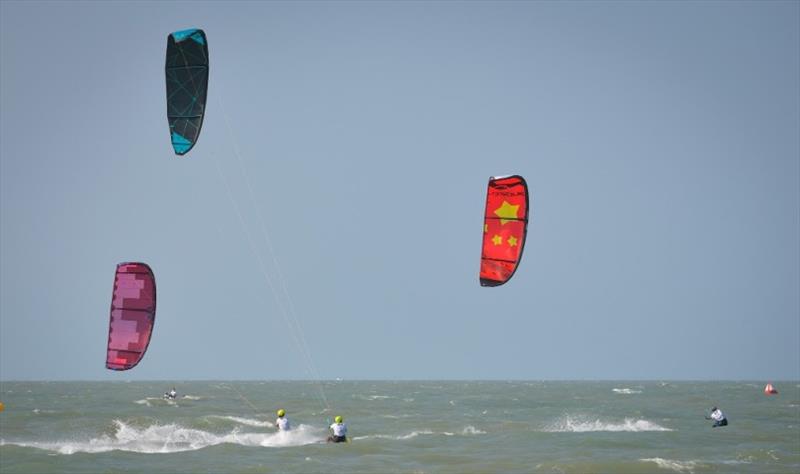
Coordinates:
582 424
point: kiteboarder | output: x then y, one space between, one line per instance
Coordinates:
338 431
282 422
171 395
718 417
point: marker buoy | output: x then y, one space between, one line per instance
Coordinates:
770 390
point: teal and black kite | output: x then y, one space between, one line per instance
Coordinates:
187 84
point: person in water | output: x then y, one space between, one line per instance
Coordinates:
172 394
338 431
282 422
718 417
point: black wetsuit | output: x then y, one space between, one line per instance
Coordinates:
722 422
337 439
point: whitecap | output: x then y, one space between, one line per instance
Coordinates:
679 466
467 431
150 401
372 398
243 421
173 438
626 391
413 434
471 430
569 424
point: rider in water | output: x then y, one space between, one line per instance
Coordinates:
338 430
282 422
718 417
172 394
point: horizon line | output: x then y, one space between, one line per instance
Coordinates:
508 380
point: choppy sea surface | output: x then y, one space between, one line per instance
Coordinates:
414 427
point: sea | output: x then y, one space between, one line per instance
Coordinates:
399 427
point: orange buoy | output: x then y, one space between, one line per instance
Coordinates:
2 407
770 390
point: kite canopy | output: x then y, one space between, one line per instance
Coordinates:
133 313
187 84
505 224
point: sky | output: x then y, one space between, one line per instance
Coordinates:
344 158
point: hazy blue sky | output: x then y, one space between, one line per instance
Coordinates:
660 141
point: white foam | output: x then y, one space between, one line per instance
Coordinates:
372 398
243 421
467 431
157 401
173 438
413 434
626 391
569 424
192 397
771 453
471 430
679 466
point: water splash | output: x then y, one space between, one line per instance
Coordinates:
570 424
173 438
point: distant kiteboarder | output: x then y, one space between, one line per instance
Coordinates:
282 422
718 417
171 395
770 390
338 431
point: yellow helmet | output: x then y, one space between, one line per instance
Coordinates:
281 412
338 419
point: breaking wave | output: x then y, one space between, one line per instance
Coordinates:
243 421
569 424
471 430
413 434
626 391
467 431
173 438
157 401
679 466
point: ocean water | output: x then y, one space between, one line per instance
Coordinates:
408 427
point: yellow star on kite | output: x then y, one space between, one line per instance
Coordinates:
512 241
497 239
506 212
485 228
